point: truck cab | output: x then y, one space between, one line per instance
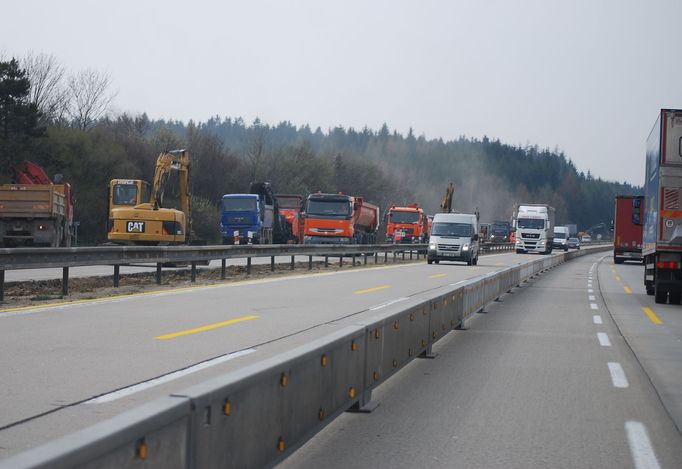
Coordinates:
406 225
454 237
534 225
245 219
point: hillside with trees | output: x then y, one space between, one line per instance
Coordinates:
60 121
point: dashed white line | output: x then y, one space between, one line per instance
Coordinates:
597 319
642 451
603 339
388 303
618 377
594 306
112 396
589 290
591 298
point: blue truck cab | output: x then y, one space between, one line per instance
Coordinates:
246 219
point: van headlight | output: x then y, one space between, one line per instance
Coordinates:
465 247
432 246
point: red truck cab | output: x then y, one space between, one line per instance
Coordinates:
406 225
628 227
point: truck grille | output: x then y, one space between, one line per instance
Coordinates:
448 247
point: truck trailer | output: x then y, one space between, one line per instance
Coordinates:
628 225
662 237
339 219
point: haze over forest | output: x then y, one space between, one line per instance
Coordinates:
384 166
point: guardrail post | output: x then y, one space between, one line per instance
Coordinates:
2 285
117 275
326 261
222 269
310 262
365 254
385 257
410 254
248 266
292 262
395 257
403 254
272 263
353 260
158 273
376 257
194 272
65 281
340 261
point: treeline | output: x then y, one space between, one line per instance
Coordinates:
227 154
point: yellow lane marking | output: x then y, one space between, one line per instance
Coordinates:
652 316
208 327
437 275
628 290
499 264
369 290
617 278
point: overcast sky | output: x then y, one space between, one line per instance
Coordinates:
584 76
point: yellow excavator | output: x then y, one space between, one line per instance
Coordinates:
446 204
149 223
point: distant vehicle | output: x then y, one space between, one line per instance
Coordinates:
586 239
290 207
628 227
662 238
339 219
484 231
573 243
406 225
561 235
500 232
534 225
454 237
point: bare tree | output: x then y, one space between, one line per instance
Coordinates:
89 96
48 90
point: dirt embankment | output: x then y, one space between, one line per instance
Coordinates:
37 292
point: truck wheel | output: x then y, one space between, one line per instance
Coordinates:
429 261
660 296
519 251
649 291
617 261
475 261
675 297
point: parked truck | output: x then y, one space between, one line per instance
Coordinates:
339 219
34 211
662 236
628 227
253 218
534 225
290 207
406 225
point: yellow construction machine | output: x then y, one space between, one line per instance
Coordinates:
132 221
446 204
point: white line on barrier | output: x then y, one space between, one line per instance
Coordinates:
589 290
388 303
591 298
618 377
643 455
112 396
594 306
604 340
597 319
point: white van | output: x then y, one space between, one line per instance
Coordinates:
454 237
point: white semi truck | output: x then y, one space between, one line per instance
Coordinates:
534 225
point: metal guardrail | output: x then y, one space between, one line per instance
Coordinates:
258 415
115 256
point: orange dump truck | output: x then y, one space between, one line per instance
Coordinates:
406 225
290 209
339 219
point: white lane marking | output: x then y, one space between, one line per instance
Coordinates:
589 278
642 451
603 339
594 306
457 283
618 375
591 297
589 290
597 319
388 303
112 396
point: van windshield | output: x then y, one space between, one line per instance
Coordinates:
531 223
452 229
559 235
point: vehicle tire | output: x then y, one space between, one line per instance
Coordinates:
650 291
475 261
675 297
470 261
519 251
437 261
660 296
566 249
429 261
617 261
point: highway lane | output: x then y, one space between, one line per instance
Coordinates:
54 359
653 331
544 379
